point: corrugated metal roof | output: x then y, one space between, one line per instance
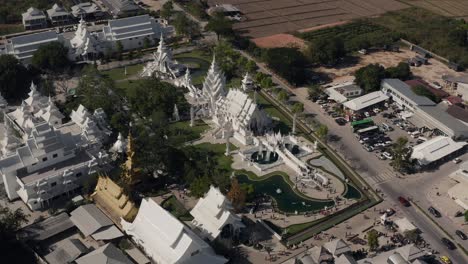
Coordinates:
405 90
89 219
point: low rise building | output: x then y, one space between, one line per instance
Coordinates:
343 92
458 192
34 18
435 149
165 239
23 47
92 222
121 7
132 31
364 102
402 255
58 16
87 10
401 93
104 255
213 214
457 84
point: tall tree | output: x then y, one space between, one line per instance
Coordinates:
12 250
313 91
369 77
96 91
220 25
167 10
373 239
51 57
402 71
322 131
15 79
237 195
185 27
326 51
289 63
400 153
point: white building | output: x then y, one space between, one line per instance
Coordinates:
47 166
86 10
34 18
365 101
459 85
337 247
241 115
213 213
214 86
132 31
435 149
58 15
35 109
23 47
458 192
343 92
120 7
165 239
247 84
402 94
162 64
402 255
83 45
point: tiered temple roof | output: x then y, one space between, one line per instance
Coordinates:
214 85
83 43
165 239
213 212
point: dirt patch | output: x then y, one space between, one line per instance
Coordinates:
279 41
431 73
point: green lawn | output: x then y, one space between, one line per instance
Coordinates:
119 73
224 162
284 123
200 54
182 132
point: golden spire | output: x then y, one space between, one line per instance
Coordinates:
129 172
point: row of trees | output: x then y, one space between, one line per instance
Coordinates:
370 76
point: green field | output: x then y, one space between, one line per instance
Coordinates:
119 73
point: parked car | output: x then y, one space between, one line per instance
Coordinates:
461 235
387 155
403 201
340 121
368 148
456 160
367 114
436 85
445 260
448 244
381 156
434 212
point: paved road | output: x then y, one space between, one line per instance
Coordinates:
378 173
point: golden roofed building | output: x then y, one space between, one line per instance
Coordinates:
111 197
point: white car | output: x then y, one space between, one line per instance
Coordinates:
367 114
387 155
456 160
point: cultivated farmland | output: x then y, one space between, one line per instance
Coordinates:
449 8
269 17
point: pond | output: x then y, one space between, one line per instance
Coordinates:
266 157
352 192
198 67
287 200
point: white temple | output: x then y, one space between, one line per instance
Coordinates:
162 64
34 109
243 116
214 85
120 146
165 239
213 212
90 131
83 44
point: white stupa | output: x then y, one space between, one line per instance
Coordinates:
83 43
162 62
247 83
50 113
120 146
214 85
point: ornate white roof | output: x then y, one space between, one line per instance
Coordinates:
214 84
165 239
83 42
239 109
120 145
79 115
247 82
213 212
162 61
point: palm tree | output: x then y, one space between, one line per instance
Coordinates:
400 153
